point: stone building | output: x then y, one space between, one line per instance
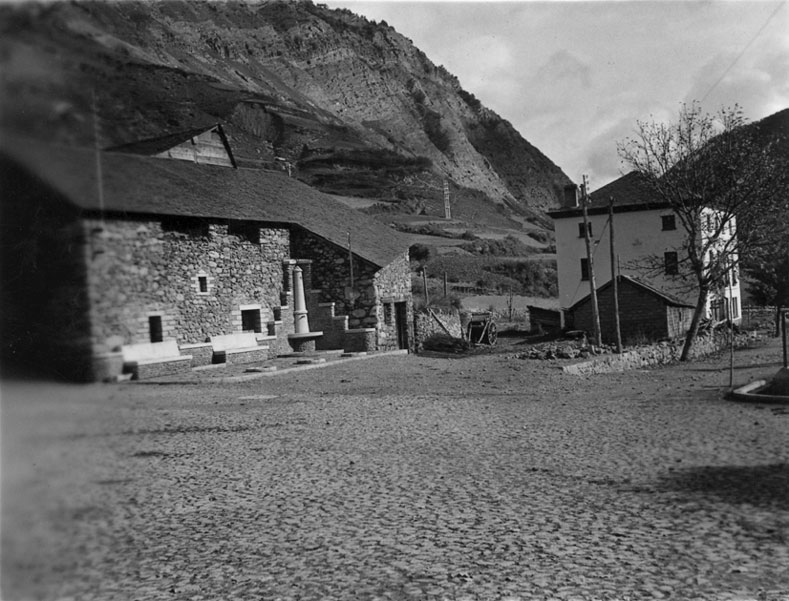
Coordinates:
173 250
646 313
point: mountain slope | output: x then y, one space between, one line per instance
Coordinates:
351 105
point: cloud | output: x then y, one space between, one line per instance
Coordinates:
760 87
563 67
602 159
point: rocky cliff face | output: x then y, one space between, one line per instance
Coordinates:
351 105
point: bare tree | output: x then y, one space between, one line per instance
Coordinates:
768 274
716 175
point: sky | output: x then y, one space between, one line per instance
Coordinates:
575 77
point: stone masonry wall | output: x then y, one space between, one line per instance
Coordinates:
426 326
331 275
144 270
378 290
393 286
657 354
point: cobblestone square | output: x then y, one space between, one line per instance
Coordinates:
405 477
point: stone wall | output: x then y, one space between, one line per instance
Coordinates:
426 326
197 282
331 275
394 307
657 354
379 290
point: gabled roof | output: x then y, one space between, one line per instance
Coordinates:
157 145
667 298
630 193
140 185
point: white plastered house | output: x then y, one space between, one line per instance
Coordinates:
649 247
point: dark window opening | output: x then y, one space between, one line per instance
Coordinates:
669 222
584 269
581 229
202 282
189 226
671 263
735 307
245 231
155 328
250 320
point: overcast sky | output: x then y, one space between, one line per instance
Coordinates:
573 77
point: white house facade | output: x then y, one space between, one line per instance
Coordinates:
649 247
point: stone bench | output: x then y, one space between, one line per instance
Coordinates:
151 359
241 347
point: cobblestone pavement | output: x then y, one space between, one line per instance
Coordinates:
400 478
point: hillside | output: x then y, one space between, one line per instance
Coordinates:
352 106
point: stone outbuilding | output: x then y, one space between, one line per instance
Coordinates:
646 314
170 250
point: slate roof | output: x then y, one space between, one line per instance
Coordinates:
630 193
141 185
667 298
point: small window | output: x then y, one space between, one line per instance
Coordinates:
202 283
245 231
735 307
250 320
581 229
669 222
584 270
671 263
155 328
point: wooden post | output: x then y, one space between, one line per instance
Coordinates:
783 330
510 302
350 259
445 284
424 281
590 263
614 276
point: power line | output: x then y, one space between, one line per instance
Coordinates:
743 51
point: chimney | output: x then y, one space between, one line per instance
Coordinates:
570 196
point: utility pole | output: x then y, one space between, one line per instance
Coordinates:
350 261
614 277
590 263
447 207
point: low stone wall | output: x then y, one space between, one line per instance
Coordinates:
425 326
657 354
360 340
202 353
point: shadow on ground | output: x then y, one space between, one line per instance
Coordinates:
763 485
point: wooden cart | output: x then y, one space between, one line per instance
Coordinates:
481 329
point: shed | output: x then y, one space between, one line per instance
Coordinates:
645 313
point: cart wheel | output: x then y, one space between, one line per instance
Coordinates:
491 334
